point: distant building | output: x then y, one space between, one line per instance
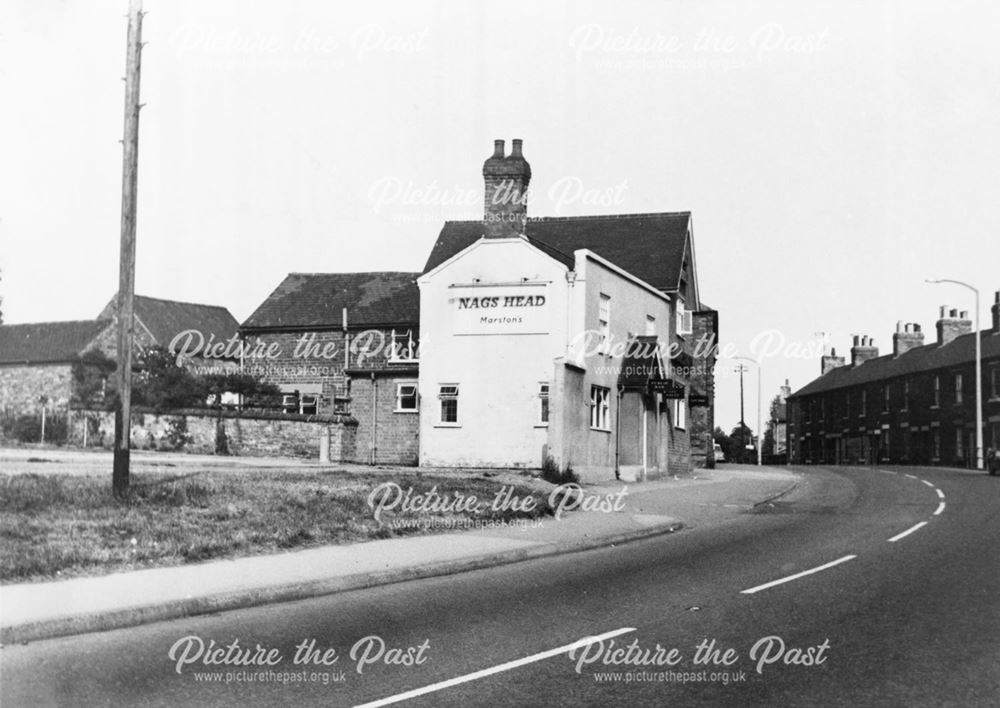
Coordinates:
913 406
36 359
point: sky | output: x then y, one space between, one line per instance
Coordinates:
834 155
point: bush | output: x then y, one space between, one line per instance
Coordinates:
177 435
27 428
552 473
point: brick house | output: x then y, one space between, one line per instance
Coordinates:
36 359
344 343
913 406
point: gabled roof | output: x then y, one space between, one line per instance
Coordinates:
641 363
318 300
166 318
649 246
959 351
48 342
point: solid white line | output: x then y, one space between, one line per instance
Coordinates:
907 532
929 484
765 586
939 509
940 493
586 641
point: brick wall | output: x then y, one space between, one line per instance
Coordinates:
396 435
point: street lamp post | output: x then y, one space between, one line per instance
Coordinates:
979 372
760 434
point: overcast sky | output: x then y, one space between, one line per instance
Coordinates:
834 154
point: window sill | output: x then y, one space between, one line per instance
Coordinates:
405 410
541 425
447 425
397 362
600 430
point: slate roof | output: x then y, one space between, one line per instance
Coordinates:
959 351
48 342
317 300
649 246
166 318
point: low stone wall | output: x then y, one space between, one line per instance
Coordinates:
246 434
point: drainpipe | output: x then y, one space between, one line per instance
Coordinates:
374 413
618 430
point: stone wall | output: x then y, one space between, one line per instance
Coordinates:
262 435
21 387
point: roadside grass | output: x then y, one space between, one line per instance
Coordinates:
54 526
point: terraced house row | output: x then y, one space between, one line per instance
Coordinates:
913 406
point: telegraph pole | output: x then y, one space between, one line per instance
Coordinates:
126 269
741 369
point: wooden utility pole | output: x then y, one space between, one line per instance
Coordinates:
126 270
743 426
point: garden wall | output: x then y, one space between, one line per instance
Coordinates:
246 434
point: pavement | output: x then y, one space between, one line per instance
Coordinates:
33 611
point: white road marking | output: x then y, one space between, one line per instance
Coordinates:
495 670
765 586
907 532
939 509
929 484
911 476
940 493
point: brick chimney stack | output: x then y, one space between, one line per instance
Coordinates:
786 391
830 361
951 324
505 212
864 349
906 337
996 313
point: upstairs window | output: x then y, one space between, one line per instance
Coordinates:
404 347
958 389
906 395
864 403
995 383
886 397
937 391
685 318
604 323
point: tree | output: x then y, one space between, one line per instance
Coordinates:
90 373
738 440
161 384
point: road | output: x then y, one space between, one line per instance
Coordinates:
889 595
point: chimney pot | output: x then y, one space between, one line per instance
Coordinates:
944 309
498 148
963 315
515 147
953 313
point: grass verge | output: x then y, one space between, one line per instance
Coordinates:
54 526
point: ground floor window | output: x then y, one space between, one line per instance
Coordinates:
406 397
599 407
936 438
448 395
543 403
680 413
959 446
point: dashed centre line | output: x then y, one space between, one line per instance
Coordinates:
579 644
765 586
939 509
940 493
908 531
929 484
